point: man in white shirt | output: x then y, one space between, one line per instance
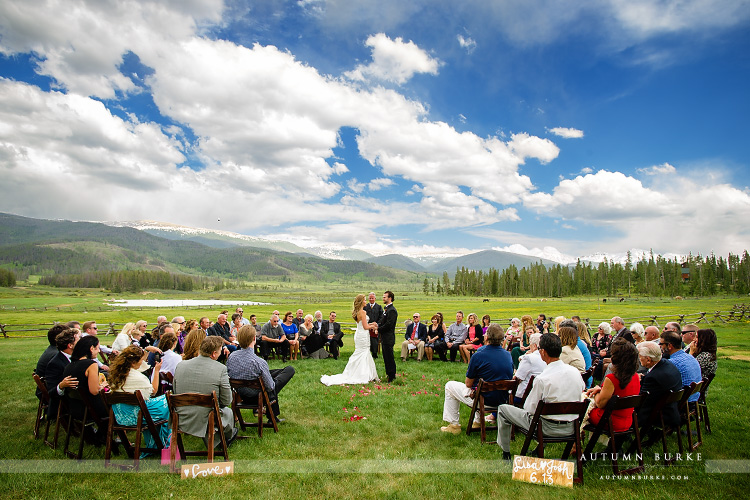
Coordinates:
558 383
530 365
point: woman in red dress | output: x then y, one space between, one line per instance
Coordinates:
624 381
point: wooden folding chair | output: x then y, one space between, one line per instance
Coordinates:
702 404
41 411
690 412
483 387
657 413
89 419
535 431
213 422
144 416
166 379
588 373
262 403
605 424
527 391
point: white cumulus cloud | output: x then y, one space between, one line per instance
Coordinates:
567 133
394 61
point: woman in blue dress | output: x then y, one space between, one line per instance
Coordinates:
125 377
292 335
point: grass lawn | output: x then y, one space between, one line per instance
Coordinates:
397 451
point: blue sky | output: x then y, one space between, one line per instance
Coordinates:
422 127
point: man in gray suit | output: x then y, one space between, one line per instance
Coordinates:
204 374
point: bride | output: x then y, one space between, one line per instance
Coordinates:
361 368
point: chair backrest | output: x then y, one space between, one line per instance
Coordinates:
706 382
562 408
689 390
42 387
498 385
256 383
626 402
587 374
193 399
82 394
528 389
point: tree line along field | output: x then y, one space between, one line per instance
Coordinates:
320 452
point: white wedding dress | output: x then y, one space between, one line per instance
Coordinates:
361 367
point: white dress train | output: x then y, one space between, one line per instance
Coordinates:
361 367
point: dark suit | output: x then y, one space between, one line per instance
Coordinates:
333 344
421 332
221 331
420 335
624 334
53 375
374 313
41 365
663 377
387 332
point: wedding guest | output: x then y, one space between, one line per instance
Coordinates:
435 336
474 338
703 349
292 334
490 363
454 337
661 377
671 342
557 383
570 354
486 321
125 377
125 337
638 332
305 329
193 343
529 365
169 358
416 334
522 346
83 368
622 382
245 365
204 375
272 335
513 334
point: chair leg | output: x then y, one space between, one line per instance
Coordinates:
706 421
138 437
172 451
108 447
579 446
39 415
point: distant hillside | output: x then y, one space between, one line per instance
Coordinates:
63 247
397 261
225 239
486 259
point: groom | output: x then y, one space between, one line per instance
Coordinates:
387 332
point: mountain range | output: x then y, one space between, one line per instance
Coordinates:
70 247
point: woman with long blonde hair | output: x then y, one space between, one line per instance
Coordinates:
360 369
124 338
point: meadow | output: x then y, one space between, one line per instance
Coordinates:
373 441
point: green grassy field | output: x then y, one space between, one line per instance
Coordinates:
397 451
